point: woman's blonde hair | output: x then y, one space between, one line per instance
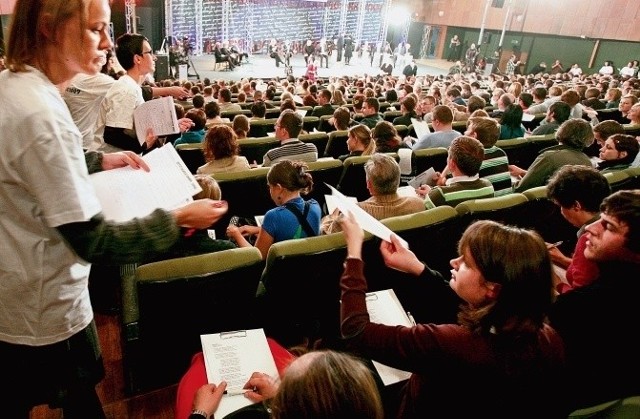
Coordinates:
36 23
362 134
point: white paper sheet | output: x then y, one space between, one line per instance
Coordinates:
420 127
366 221
407 191
405 160
385 308
233 357
424 178
331 203
126 193
158 114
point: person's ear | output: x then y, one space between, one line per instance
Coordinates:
623 154
493 290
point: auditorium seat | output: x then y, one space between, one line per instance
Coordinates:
353 179
336 144
319 139
167 305
324 171
191 155
505 209
299 297
247 194
426 158
254 149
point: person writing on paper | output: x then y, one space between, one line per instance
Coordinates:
317 385
503 277
578 191
52 225
383 179
464 159
293 218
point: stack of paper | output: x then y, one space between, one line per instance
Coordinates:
233 357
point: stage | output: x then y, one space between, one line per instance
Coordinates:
262 66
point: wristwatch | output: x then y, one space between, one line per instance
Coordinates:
198 412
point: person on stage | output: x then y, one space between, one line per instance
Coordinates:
273 52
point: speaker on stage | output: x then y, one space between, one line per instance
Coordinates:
162 67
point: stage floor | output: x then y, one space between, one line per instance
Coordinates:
262 66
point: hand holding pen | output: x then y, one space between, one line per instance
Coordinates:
260 387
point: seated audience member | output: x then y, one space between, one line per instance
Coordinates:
288 127
309 101
504 100
525 100
557 113
224 101
511 123
341 119
555 92
258 110
370 110
495 166
605 129
634 114
198 101
592 99
578 191
241 125
357 101
287 103
293 218
408 109
466 155
303 391
572 98
597 321
501 283
573 137
383 179
324 104
617 153
612 98
359 142
197 241
443 133
386 138
195 134
626 103
212 112
606 69
337 98
221 152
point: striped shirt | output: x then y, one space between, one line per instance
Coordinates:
291 149
457 190
495 168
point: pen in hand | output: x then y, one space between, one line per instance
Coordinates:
556 244
240 392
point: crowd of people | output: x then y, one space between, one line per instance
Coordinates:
541 346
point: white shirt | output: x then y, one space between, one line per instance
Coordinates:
44 183
116 110
606 70
83 98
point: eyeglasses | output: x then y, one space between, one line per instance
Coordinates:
147 52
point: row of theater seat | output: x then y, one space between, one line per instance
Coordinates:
167 305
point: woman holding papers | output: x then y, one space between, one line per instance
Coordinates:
52 226
294 217
499 360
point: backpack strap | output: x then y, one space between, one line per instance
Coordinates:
302 217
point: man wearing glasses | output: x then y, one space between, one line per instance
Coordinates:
114 127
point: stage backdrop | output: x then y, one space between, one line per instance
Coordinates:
261 21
